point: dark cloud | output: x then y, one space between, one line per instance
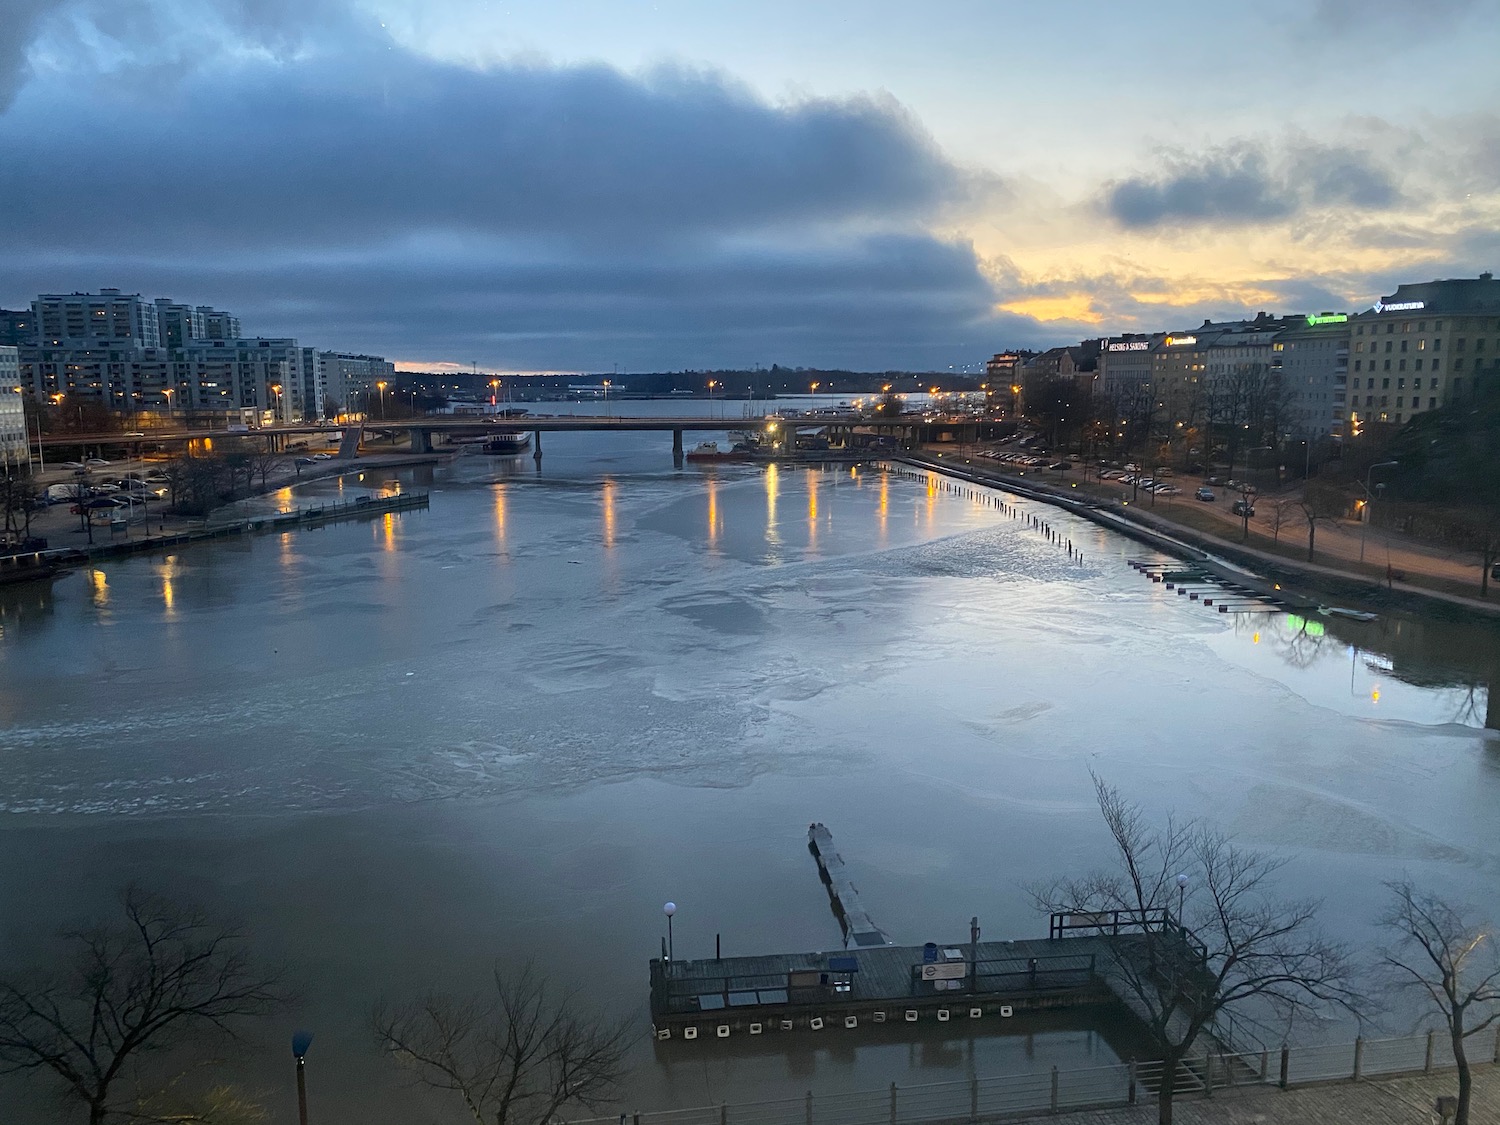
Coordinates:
527 215
19 21
1245 183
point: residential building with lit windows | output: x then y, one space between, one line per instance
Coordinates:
1311 362
16 327
15 447
1421 348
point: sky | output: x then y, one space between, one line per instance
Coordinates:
595 185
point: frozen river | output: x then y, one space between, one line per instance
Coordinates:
514 725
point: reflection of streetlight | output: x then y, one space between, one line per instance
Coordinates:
301 1040
382 386
669 909
1364 522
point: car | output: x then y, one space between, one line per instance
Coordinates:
96 462
1243 508
305 461
322 456
1060 465
1205 493
72 464
134 433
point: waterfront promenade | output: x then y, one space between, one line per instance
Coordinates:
1385 1101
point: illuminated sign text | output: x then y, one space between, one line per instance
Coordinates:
1399 306
1130 346
1339 318
1175 341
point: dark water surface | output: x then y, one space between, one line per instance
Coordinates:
514 725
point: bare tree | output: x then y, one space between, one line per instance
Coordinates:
165 974
1231 959
262 463
1281 510
1452 960
516 1058
1319 502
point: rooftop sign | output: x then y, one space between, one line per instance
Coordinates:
1130 346
1333 318
1175 341
1399 306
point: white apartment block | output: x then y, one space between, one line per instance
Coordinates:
1421 348
15 446
104 319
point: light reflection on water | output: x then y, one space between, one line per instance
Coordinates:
509 756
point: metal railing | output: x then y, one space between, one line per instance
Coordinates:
1099 1087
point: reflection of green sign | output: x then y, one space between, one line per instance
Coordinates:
1331 318
1303 625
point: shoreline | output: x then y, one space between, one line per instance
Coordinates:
1289 578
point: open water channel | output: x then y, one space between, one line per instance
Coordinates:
512 726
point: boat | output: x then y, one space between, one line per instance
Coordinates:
1347 614
710 451
504 443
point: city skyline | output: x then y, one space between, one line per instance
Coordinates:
577 186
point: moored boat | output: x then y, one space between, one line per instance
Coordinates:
506 442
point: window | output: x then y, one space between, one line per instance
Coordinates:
1385 400
1432 404
1400 400
1401 367
1359 347
1458 365
1437 343
1421 326
1369 400
1356 365
1370 383
1417 366
1437 325
1386 366
1404 343
1458 345
1389 330
1401 383
1458 386
1433 384
1385 384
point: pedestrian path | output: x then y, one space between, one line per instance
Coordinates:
1386 1101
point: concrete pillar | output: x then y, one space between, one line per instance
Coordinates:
421 439
536 446
677 455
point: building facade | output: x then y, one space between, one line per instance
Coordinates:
15 444
1310 361
17 327
1421 348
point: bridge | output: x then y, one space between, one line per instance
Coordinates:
420 430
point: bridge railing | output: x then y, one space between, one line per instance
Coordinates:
1101 1087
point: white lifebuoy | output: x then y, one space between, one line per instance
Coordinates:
975 1013
1005 1010
723 1031
911 1015
756 1028
942 1015
690 1033
816 1023
851 1021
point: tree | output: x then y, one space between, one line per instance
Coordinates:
165 975
1280 510
1233 957
1319 502
515 1059
1451 959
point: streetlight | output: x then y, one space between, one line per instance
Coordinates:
382 386
301 1040
276 390
167 394
494 392
1364 523
669 909
606 403
1182 886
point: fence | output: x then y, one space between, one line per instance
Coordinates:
1101 1087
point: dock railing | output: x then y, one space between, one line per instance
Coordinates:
1100 1087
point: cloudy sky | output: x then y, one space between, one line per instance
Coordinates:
579 184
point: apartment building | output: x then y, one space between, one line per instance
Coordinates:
16 327
1421 348
15 448
1311 363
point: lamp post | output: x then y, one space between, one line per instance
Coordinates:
382 385
606 398
669 909
494 392
301 1040
276 390
1364 523
1182 886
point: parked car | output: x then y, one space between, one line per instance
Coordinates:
305 461
322 456
1205 493
1060 465
96 462
134 433
1243 508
